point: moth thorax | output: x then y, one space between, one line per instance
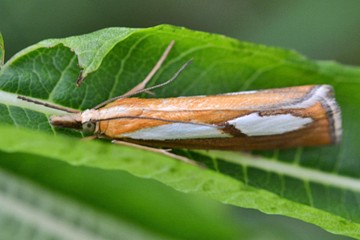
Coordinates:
67 121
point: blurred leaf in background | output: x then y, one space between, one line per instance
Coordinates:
324 29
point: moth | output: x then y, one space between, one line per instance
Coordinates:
251 120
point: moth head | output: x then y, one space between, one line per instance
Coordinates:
74 121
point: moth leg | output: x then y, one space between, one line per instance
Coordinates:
142 85
165 152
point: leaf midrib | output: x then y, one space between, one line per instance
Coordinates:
292 170
11 99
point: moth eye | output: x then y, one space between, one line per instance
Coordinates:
88 126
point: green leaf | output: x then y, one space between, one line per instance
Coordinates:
318 185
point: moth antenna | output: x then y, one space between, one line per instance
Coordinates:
157 66
146 89
162 84
69 110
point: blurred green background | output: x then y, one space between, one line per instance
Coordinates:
323 29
